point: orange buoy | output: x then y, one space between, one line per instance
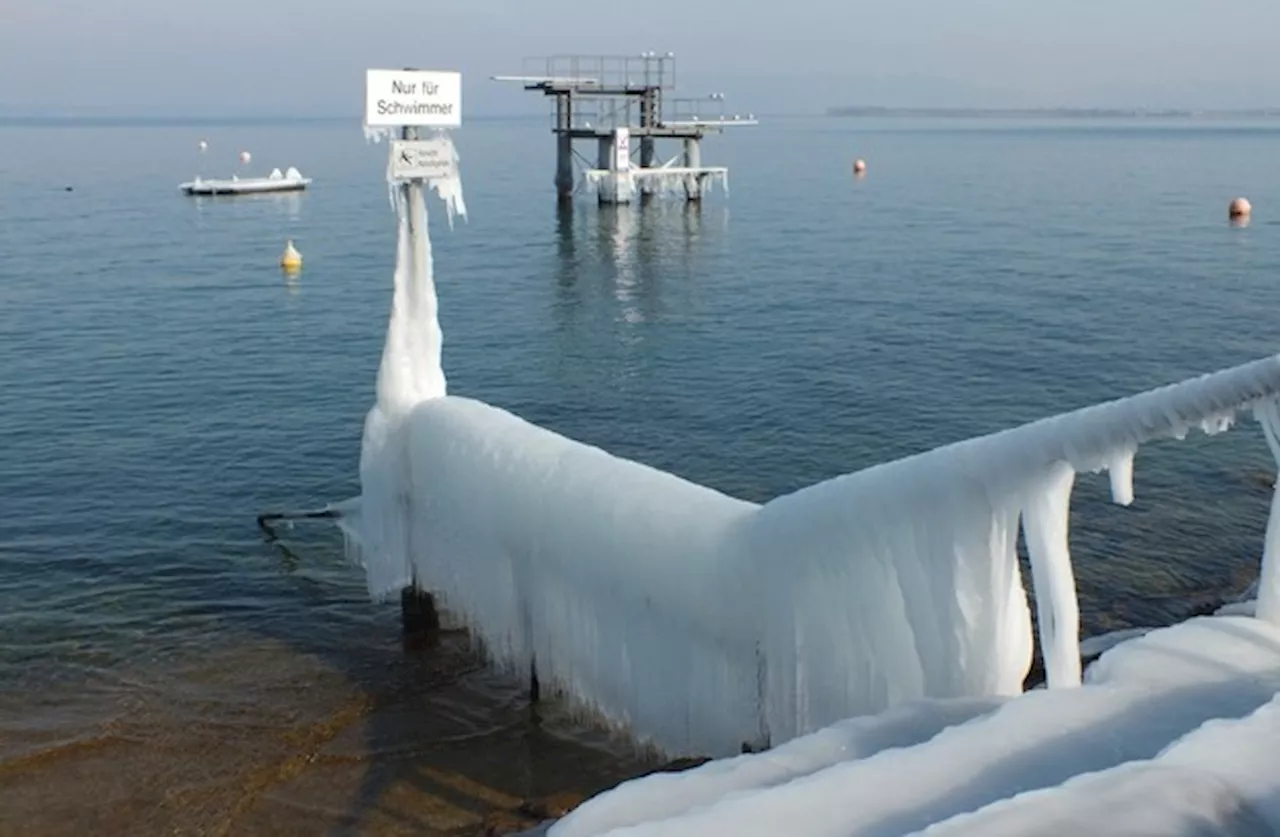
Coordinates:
859 166
1240 208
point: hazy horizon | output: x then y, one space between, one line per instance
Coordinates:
296 58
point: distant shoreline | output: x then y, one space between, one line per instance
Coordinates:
179 121
1053 113
72 120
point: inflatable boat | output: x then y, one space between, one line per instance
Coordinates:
290 181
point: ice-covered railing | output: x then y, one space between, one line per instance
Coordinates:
700 621
664 181
933 536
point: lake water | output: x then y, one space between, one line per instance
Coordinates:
164 666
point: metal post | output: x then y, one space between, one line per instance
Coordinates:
604 160
410 132
419 619
650 107
693 160
564 146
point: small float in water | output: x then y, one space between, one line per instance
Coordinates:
290 181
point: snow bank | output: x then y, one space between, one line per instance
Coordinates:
663 795
1140 697
1220 779
1096 645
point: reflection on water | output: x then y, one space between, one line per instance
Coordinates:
255 208
288 204
632 249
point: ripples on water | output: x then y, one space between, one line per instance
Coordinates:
163 383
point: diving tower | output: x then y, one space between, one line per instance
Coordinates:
612 100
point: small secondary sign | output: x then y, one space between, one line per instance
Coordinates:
413 97
621 149
429 159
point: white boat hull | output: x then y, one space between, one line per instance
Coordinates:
246 186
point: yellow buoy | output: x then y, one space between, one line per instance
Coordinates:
291 259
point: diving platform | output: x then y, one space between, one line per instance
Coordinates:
612 100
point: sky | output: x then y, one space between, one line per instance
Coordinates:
307 57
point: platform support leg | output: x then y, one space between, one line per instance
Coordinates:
604 161
650 108
564 147
693 160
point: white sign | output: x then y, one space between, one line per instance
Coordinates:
412 97
621 149
429 159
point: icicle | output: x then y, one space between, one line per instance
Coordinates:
1268 607
1214 425
376 135
665 181
1121 473
448 189
1045 522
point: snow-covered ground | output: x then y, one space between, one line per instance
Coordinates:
1172 733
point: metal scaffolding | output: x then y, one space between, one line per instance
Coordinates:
601 97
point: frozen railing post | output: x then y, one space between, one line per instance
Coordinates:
398 104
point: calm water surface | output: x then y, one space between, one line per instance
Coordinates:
162 383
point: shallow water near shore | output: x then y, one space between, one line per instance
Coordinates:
164 667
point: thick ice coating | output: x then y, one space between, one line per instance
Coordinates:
410 373
665 795
699 621
1218 780
672 180
1156 702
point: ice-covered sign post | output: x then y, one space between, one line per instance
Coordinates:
399 105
